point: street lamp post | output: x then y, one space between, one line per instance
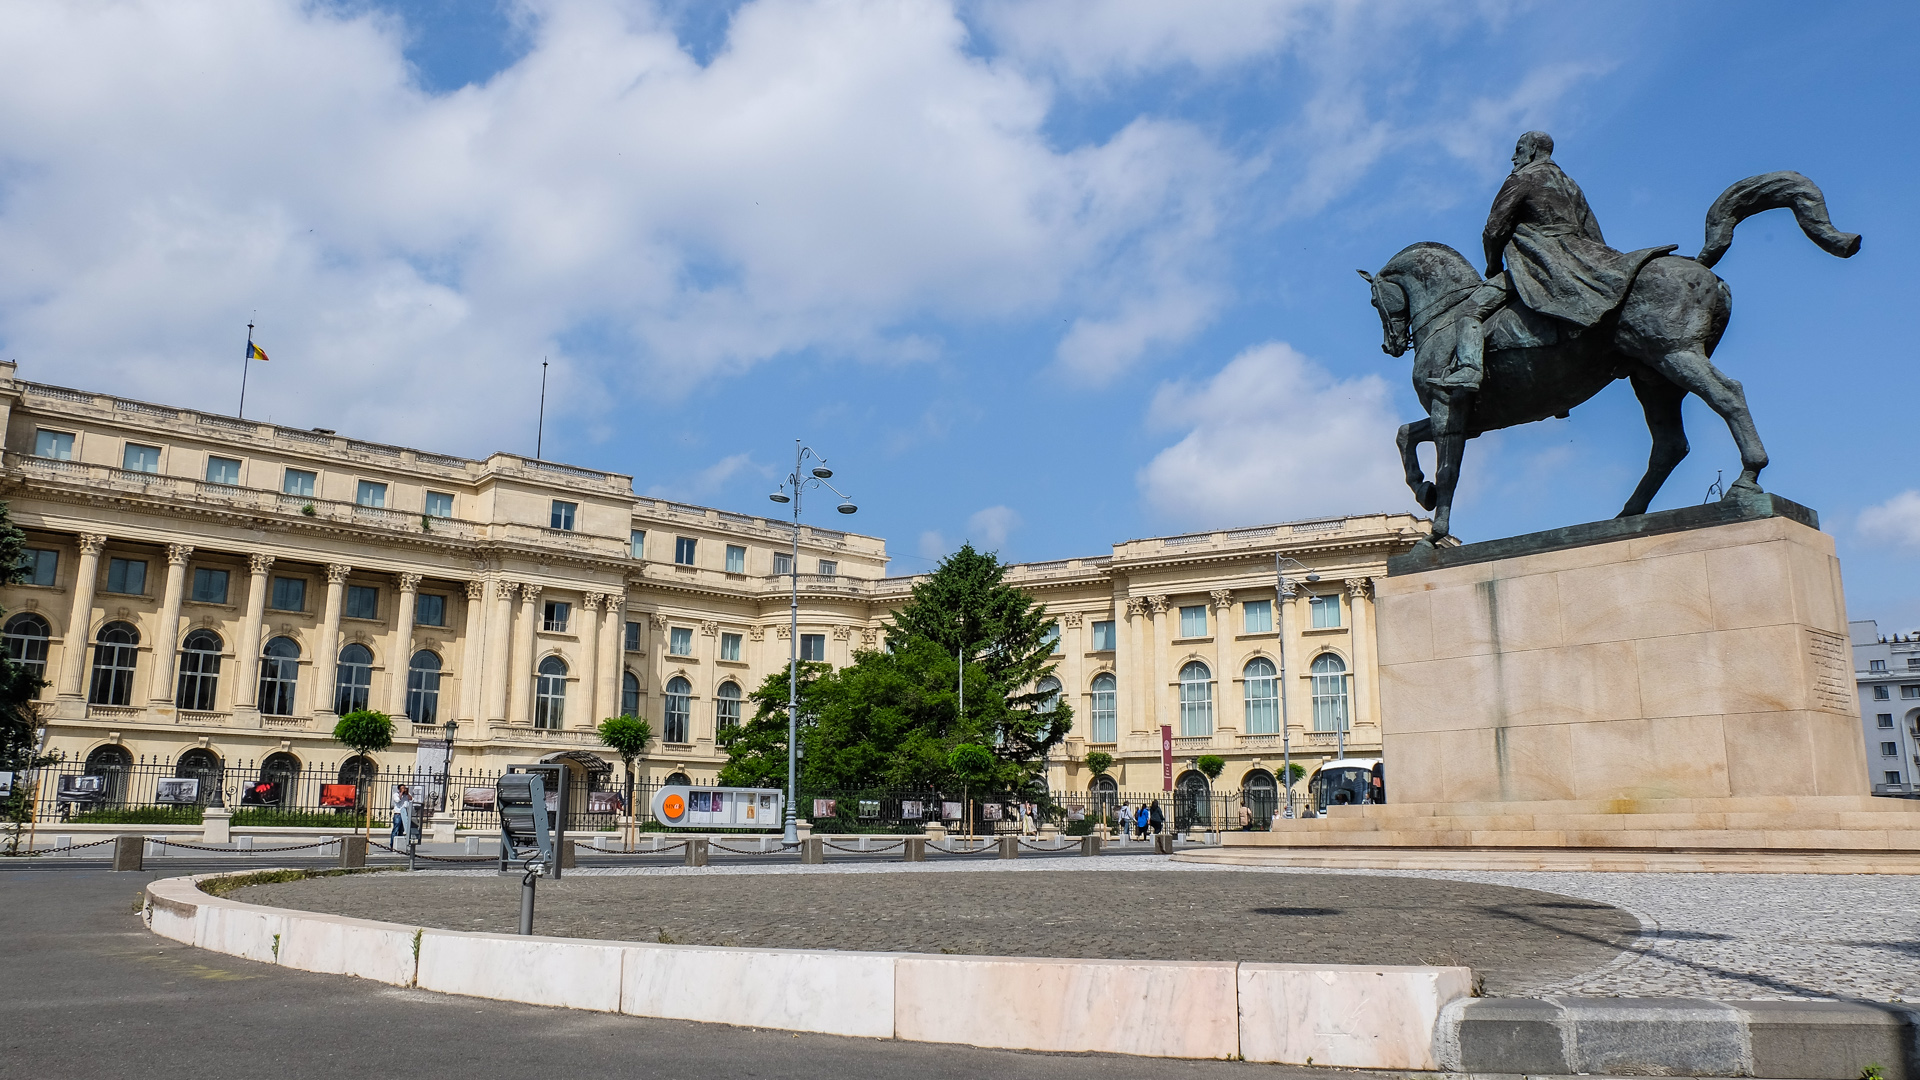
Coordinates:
1284 593
452 728
789 491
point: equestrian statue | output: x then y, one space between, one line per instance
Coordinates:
1559 315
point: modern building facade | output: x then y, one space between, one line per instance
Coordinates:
1888 674
203 588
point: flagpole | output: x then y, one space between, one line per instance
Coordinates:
540 432
246 360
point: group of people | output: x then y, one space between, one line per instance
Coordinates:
1141 821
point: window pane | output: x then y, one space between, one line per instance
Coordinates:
1106 714
729 646
637 544
1103 636
557 614
1258 616
562 516
430 610
40 565
829 567
813 647
782 563
1196 700
210 586
629 694
353 681
298 482
127 576
1329 693
726 707
679 707
439 504
141 458
1326 611
680 641
1263 698
363 602
223 471
423 688
371 493
633 637
736 559
1193 621
53 444
683 549
289 594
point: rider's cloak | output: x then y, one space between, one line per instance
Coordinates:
1559 263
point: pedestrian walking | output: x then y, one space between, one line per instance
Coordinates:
1140 819
1123 821
1246 818
1155 819
402 814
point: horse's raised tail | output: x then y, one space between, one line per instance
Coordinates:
1774 191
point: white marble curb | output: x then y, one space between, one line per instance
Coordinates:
1346 1015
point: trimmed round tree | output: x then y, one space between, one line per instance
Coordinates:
627 736
365 732
971 764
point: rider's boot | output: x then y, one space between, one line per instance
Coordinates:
1468 358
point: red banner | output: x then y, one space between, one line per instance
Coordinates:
1166 758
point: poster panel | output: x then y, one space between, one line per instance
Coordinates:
990 811
952 811
176 790
478 798
604 802
339 796
823 808
909 810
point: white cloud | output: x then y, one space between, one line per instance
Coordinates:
1895 522
1273 436
1091 39
933 546
989 528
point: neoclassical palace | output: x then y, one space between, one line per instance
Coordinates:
204 585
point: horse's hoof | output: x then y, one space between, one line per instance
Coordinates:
1427 495
1740 489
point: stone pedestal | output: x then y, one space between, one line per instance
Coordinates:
1677 680
216 825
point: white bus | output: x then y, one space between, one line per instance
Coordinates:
1344 782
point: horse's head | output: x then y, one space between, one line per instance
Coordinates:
1390 300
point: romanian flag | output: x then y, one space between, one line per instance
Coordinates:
255 352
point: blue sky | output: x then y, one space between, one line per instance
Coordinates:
1043 276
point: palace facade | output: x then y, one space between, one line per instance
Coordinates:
204 586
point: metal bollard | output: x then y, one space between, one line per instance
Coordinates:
1089 845
129 852
527 880
152 850
1009 846
600 842
813 850
916 849
697 850
353 851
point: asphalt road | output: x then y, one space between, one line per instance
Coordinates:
86 991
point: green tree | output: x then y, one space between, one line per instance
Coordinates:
1210 765
627 736
1098 762
365 732
19 716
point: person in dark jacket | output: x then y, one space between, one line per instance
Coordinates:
1155 819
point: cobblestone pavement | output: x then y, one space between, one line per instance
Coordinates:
1506 935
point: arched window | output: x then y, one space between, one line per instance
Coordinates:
279 676
679 778
203 765
1263 697
1262 796
726 707
550 694
1192 801
199 671
423 688
1196 699
1050 687
1106 708
1329 693
114 656
108 759
629 694
279 778
26 639
353 679
679 709
358 769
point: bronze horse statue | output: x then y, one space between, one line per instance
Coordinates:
1661 337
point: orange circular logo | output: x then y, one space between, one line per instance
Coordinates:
674 805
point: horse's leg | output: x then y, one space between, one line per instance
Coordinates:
1410 438
1691 369
1660 400
1449 444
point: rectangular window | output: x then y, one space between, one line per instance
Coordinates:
209 586
223 470
813 647
562 515
829 568
363 602
127 576
680 641
1257 617
1889 749
1052 637
1876 665
730 647
736 559
57 445
1910 691
289 594
555 616
371 493
40 566
1884 720
683 549
1893 778
633 637
430 609
1193 621
1103 636
1881 693
1913 663
1106 712
297 482
1326 611
782 564
139 458
439 504
637 544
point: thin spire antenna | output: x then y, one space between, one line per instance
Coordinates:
540 432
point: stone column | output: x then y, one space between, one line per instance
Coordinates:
1132 661
326 659
1157 650
1228 706
1072 674
1358 589
589 634
246 688
166 649
1297 712
612 657
499 640
472 651
520 664
73 647
400 657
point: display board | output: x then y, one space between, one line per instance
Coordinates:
685 806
